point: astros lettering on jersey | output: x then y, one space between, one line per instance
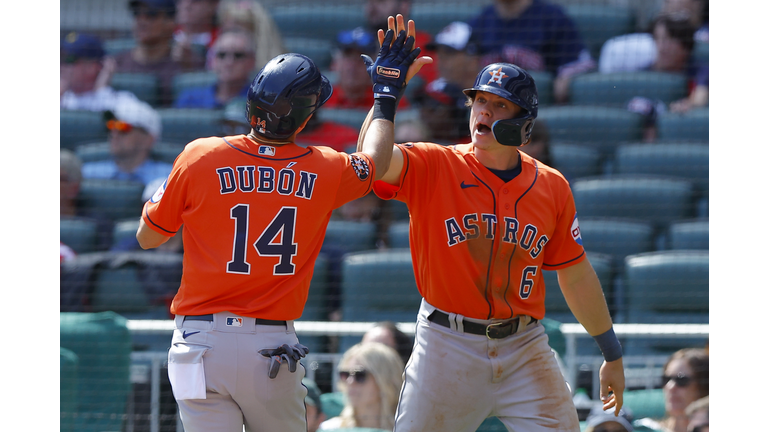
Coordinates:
276 201
504 233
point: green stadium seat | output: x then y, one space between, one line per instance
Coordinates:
319 21
432 17
616 238
78 127
545 91
690 126
398 234
79 233
616 89
667 287
575 160
353 236
379 285
143 85
598 23
184 125
658 200
691 234
555 304
333 403
645 403
319 50
137 284
116 199
399 210
598 127
187 80
346 116
125 229
685 160
68 382
102 344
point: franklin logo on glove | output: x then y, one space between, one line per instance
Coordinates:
392 73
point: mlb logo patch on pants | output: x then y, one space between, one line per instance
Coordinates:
234 321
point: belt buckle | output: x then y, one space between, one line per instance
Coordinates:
490 327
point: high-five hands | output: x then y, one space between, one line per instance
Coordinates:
397 61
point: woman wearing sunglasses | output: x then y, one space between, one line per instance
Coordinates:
685 380
370 377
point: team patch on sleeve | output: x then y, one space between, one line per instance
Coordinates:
575 231
159 192
360 165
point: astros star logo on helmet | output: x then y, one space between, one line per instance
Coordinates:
496 76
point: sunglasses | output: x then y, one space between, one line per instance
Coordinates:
119 126
237 55
680 380
701 428
360 375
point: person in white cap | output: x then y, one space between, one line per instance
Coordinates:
605 421
134 128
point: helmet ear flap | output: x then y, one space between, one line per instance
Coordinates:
513 132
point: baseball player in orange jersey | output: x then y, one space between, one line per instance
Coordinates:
254 210
485 220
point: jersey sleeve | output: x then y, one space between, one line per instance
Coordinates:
163 211
565 248
357 177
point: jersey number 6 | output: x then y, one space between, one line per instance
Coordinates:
526 284
282 226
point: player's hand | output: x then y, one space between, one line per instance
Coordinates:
612 380
398 24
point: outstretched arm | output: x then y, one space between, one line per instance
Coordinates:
377 132
582 291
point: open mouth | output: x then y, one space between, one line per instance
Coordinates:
483 129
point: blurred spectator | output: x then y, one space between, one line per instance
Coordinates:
71 176
370 377
352 86
386 332
443 109
315 414
698 10
153 28
253 17
606 421
376 14
234 62
535 35
411 129
539 147
685 379
85 73
134 129
331 134
457 48
196 27
698 415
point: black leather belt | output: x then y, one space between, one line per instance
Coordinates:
209 317
492 331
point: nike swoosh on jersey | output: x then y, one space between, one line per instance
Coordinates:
464 185
185 334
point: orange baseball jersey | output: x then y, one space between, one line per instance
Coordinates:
254 220
479 247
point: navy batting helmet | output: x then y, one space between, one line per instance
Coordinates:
285 93
514 84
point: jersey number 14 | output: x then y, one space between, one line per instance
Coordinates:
276 240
